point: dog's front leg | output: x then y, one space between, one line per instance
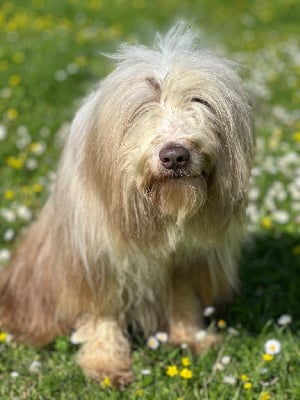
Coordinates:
186 317
105 351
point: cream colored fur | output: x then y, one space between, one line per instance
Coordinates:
124 243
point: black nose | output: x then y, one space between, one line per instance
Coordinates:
173 156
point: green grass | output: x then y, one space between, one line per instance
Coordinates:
49 59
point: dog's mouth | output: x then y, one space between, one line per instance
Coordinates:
183 174
178 193
179 179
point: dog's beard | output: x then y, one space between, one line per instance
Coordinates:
177 196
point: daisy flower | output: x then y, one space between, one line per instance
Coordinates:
152 343
272 347
24 213
200 335
225 360
8 215
146 371
3 132
209 311
229 379
4 255
8 235
284 319
162 337
35 367
218 367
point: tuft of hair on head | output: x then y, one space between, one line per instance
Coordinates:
182 38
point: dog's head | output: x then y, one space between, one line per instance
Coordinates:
170 133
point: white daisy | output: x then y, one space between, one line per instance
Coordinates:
4 255
31 164
60 75
8 215
200 335
146 371
162 337
209 311
272 347
35 367
24 213
225 360
218 367
229 379
152 342
284 319
281 216
3 132
8 235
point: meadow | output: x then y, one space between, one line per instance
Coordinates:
50 58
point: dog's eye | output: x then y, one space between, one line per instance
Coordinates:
199 100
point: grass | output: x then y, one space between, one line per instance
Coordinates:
49 59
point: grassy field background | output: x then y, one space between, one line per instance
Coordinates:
49 60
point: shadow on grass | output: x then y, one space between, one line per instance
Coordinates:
270 281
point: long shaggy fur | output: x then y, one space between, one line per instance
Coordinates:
123 242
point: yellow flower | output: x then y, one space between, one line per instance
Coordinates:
267 357
172 370
106 383
185 361
3 336
15 162
186 373
18 57
266 223
81 61
247 385
12 114
296 250
2 18
244 378
4 65
139 392
296 137
25 189
264 396
37 147
14 80
37 187
95 4
221 323
9 194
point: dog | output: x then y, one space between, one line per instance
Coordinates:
143 227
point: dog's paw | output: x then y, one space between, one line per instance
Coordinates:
117 378
204 341
198 342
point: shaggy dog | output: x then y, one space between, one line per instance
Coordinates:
144 225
